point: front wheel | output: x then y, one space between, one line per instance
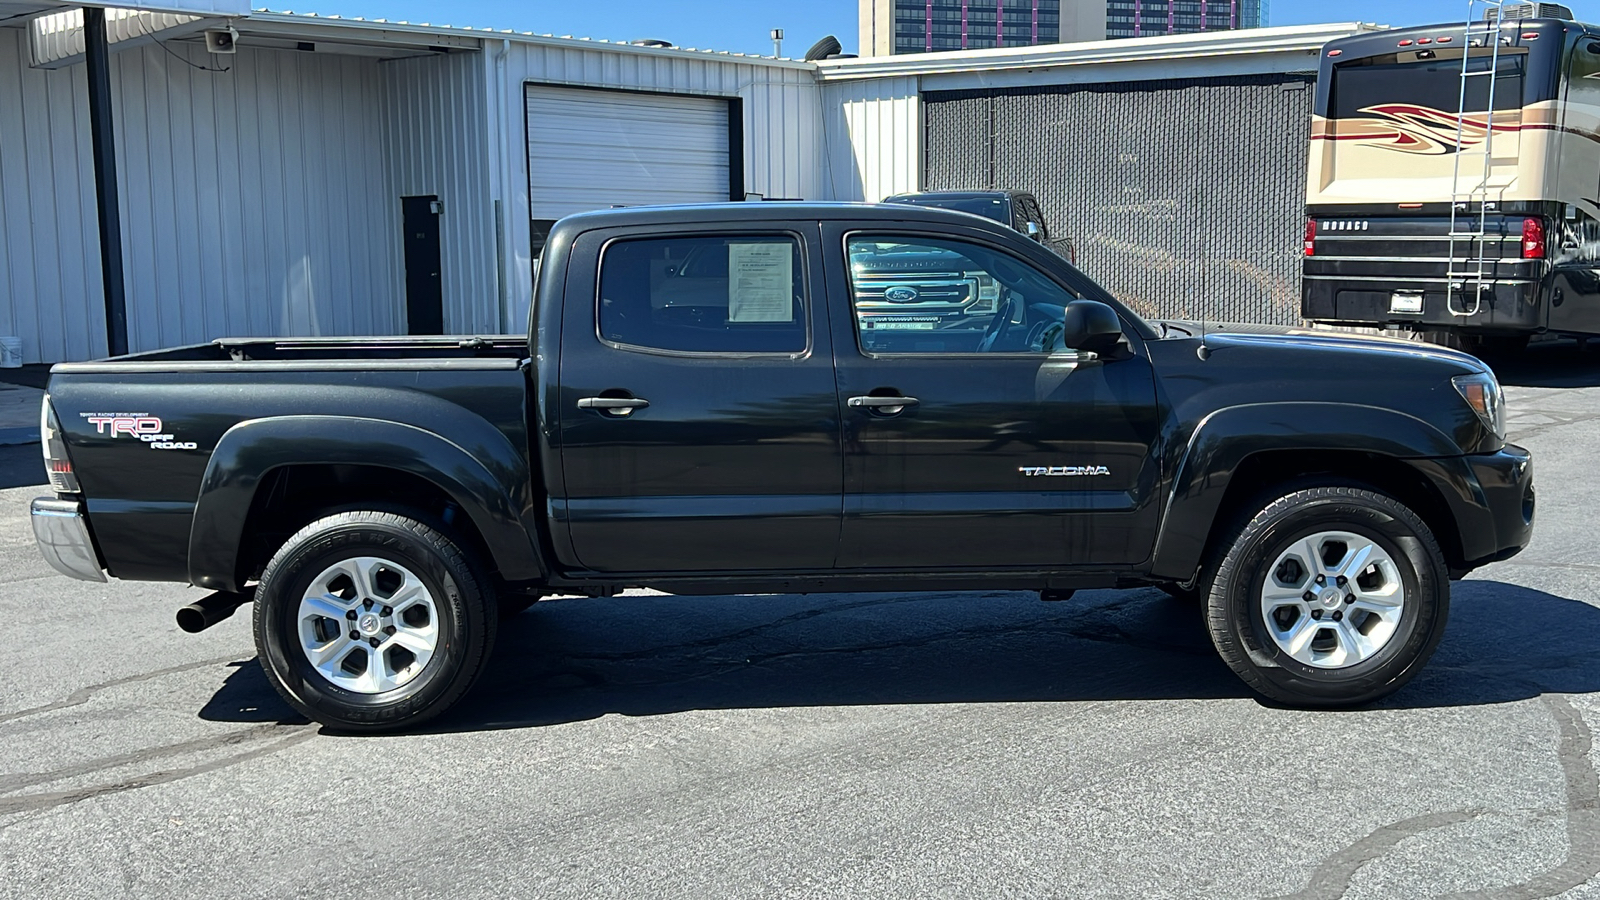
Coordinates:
371 621
1331 596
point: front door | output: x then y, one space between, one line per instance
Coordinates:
972 438
699 427
424 286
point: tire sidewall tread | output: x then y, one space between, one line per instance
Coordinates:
1232 598
462 595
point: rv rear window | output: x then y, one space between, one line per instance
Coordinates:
1361 85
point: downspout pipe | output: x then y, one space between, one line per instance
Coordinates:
97 59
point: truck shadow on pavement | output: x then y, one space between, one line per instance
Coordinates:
1559 364
572 660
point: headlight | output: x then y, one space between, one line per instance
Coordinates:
1482 393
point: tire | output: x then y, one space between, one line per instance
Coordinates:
442 607
1329 668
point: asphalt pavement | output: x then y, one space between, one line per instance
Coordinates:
879 746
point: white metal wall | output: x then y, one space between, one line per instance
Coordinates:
253 200
49 249
436 141
873 132
782 115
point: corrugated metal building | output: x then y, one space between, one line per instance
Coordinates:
266 192
346 177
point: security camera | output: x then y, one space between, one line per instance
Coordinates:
222 40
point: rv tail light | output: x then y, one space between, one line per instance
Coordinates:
1533 239
1531 36
1407 43
1311 237
1421 41
1445 40
1335 52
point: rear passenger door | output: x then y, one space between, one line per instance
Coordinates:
699 426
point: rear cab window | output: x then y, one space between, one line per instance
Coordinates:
705 294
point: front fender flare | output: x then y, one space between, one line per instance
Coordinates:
252 449
1228 436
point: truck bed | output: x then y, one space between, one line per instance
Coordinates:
142 494
325 349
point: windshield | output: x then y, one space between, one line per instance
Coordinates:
1368 85
994 208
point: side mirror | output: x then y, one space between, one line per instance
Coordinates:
1033 230
1091 326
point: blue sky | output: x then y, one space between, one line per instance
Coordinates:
743 25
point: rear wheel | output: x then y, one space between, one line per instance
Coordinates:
370 621
1331 596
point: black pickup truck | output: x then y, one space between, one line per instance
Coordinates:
382 501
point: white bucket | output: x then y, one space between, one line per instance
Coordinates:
10 353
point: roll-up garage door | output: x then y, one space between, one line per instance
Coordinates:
590 149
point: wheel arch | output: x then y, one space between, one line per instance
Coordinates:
1238 456
348 461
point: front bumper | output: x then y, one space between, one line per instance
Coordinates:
1491 499
62 533
1506 482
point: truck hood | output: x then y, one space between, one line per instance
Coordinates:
1322 381
1296 336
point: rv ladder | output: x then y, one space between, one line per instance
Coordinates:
1470 271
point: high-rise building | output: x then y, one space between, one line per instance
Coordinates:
1147 18
924 26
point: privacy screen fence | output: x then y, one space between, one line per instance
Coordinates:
1186 199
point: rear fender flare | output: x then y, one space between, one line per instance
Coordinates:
252 449
1224 439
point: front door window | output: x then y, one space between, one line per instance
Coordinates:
928 295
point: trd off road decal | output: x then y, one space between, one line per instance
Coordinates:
139 426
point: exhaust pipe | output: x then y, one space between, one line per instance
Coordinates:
208 611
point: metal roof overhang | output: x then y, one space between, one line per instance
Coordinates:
56 38
1250 51
18 10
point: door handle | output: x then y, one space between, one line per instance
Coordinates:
613 406
889 406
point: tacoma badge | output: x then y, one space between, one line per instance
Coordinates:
1063 471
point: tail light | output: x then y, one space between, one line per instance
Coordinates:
1533 239
57 465
1311 237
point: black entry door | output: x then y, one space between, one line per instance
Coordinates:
699 426
424 288
972 439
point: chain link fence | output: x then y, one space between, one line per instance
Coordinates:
1186 199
